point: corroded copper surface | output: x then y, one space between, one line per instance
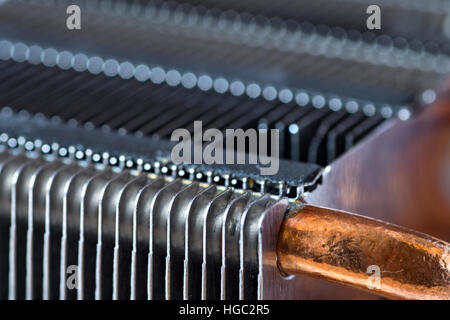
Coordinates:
347 248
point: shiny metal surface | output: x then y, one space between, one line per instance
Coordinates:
343 247
138 236
88 182
130 235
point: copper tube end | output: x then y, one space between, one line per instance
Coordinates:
373 255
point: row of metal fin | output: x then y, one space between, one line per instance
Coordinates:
70 231
337 13
280 56
311 133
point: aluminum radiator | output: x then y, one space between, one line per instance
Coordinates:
87 184
132 236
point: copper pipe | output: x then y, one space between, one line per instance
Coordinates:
351 249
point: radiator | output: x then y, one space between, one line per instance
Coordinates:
93 207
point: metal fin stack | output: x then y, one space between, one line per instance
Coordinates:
78 231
